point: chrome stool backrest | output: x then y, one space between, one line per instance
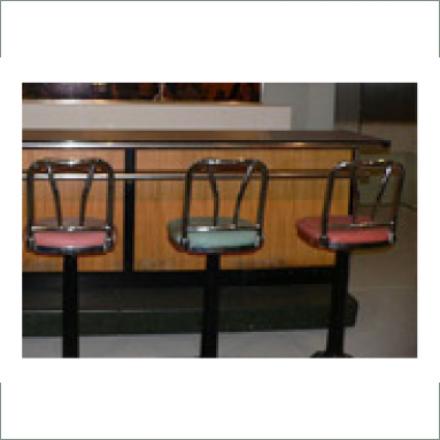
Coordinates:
84 169
363 169
222 168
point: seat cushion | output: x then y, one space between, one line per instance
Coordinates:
70 240
64 242
214 241
309 229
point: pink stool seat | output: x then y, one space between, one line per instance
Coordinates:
76 241
309 229
72 240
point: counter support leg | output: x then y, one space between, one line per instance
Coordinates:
129 210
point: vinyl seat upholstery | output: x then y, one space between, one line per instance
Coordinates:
309 229
69 240
211 241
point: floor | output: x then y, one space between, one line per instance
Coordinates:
384 282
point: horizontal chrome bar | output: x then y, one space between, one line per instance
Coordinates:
177 175
228 227
248 146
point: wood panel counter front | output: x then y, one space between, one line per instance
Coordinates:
144 207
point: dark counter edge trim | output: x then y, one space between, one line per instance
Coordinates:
301 275
203 136
272 145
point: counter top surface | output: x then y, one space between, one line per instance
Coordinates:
351 139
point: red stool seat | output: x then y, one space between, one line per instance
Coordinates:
70 240
61 242
309 229
70 237
343 234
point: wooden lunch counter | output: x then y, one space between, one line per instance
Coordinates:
149 168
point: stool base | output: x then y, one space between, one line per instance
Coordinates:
325 354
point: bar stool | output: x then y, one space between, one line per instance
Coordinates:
70 237
343 234
217 235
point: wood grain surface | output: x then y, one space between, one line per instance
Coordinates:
288 200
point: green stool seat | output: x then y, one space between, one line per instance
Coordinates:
214 241
219 233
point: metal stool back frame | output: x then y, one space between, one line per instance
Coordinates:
355 170
224 169
213 169
55 169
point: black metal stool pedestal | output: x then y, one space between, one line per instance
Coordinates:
338 301
210 318
70 307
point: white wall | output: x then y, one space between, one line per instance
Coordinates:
140 116
312 104
297 106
